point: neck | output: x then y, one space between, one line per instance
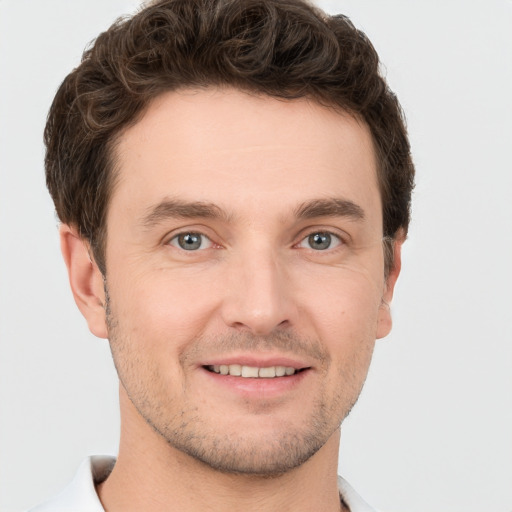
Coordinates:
152 475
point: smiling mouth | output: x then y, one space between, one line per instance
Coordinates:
238 370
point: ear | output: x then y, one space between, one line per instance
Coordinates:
85 279
384 319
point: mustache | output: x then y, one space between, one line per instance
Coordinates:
284 342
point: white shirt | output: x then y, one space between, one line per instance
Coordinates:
80 495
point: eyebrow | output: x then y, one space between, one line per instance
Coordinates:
178 209
331 207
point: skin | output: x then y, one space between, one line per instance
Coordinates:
256 290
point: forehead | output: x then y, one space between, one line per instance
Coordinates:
232 148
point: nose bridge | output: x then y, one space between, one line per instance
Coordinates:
259 295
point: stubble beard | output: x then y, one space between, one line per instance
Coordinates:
185 429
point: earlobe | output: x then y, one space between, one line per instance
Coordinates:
384 319
85 279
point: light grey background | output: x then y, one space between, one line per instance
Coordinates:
433 428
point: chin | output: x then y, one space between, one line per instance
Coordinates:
263 458
265 450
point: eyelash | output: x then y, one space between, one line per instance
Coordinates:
339 240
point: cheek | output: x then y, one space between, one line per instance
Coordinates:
349 319
346 303
160 310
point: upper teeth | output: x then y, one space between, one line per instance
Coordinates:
252 371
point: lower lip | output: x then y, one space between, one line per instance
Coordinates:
250 387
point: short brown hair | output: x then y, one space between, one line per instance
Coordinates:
282 48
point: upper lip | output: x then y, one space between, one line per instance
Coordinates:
258 361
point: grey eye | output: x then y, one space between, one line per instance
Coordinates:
319 241
190 241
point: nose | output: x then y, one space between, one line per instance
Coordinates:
259 294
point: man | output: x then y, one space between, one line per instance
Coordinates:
233 179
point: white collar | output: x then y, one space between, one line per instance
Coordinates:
80 495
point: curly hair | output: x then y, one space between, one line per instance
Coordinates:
281 48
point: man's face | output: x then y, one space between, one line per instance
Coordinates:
244 236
